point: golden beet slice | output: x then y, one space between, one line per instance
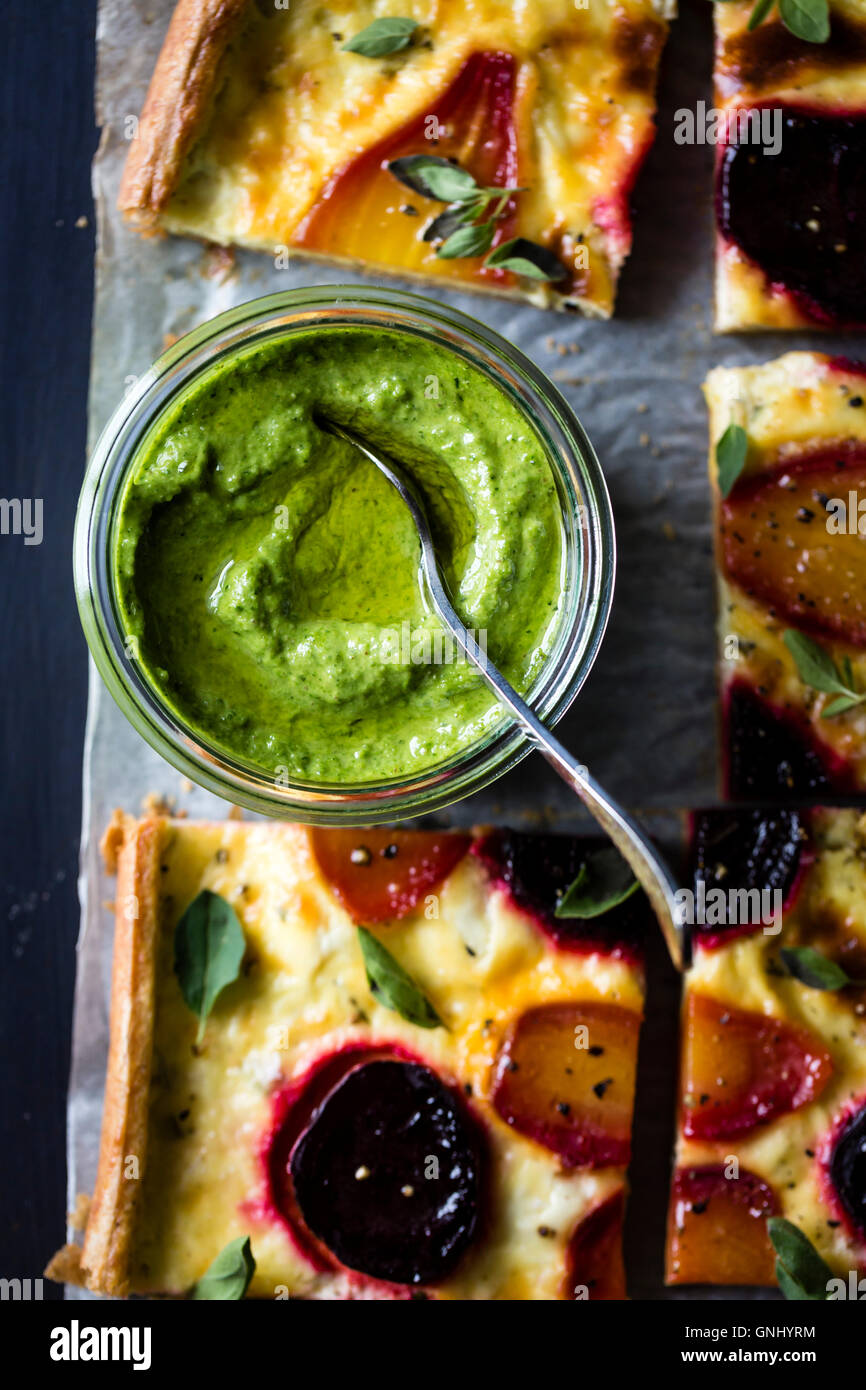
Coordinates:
365 213
744 1069
783 542
381 875
565 1077
717 1228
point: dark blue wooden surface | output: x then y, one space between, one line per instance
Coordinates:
48 138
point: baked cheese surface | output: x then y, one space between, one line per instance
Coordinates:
303 994
788 1151
562 100
800 408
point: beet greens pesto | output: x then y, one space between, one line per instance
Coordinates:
269 573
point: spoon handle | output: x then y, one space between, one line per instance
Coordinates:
636 849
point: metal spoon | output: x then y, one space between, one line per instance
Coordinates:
639 853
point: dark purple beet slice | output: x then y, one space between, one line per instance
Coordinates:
801 214
360 1173
770 757
848 1168
537 869
746 849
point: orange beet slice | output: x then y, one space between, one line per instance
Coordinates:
595 1253
358 213
717 1231
745 1069
565 1077
776 545
381 875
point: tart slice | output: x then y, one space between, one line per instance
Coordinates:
772 1118
297 129
790 193
788 467
367 1054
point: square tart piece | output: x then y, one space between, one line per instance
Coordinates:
791 557
790 195
260 130
772 1116
364 1152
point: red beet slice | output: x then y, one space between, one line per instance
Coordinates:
751 850
847 1169
535 871
718 1228
800 214
381 875
388 1174
595 1253
773 755
743 1069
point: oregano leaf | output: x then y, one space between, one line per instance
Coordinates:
383 36
228 1277
732 449
434 177
527 258
604 881
392 986
209 947
467 241
814 969
799 1259
807 19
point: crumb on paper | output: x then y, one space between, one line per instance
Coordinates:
77 1217
169 340
642 408
82 222
235 813
185 785
217 263
644 440
155 804
669 530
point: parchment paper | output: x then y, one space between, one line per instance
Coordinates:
646 719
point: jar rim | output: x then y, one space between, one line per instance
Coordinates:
587 524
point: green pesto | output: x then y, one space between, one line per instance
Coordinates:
266 568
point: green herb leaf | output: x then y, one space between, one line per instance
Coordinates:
604 881
841 705
392 986
817 668
228 1278
805 1275
808 19
446 223
208 949
812 968
527 258
793 1291
468 241
434 177
731 452
759 13
383 36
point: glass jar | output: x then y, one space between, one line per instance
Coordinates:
588 541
